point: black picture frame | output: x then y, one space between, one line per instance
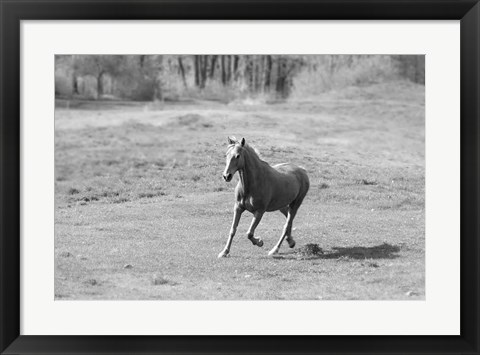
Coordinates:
14 11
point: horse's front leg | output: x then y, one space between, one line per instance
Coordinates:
257 217
287 232
237 212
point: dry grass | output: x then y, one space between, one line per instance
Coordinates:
141 185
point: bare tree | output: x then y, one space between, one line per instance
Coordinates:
204 69
182 71
224 70
268 72
196 60
212 66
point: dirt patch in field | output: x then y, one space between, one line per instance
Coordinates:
310 250
191 121
158 280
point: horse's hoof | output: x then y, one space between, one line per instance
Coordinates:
256 241
291 244
223 254
273 252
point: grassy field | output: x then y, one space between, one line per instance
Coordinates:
142 210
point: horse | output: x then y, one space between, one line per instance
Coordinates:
263 188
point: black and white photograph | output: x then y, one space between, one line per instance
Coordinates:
239 177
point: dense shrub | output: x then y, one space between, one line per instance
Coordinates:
63 86
322 76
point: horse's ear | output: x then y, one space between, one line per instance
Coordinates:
243 142
232 140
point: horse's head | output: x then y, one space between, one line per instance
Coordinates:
234 158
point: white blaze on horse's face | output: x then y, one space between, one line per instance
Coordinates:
234 158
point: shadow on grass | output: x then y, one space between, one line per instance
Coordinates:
383 251
312 251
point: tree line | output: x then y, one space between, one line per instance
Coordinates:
149 77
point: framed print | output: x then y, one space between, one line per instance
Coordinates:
238 177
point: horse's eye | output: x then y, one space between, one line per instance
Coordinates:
237 156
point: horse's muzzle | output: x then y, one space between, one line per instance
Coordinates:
227 177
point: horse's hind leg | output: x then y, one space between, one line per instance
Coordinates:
287 230
290 240
295 205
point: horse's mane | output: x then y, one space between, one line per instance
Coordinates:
251 150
